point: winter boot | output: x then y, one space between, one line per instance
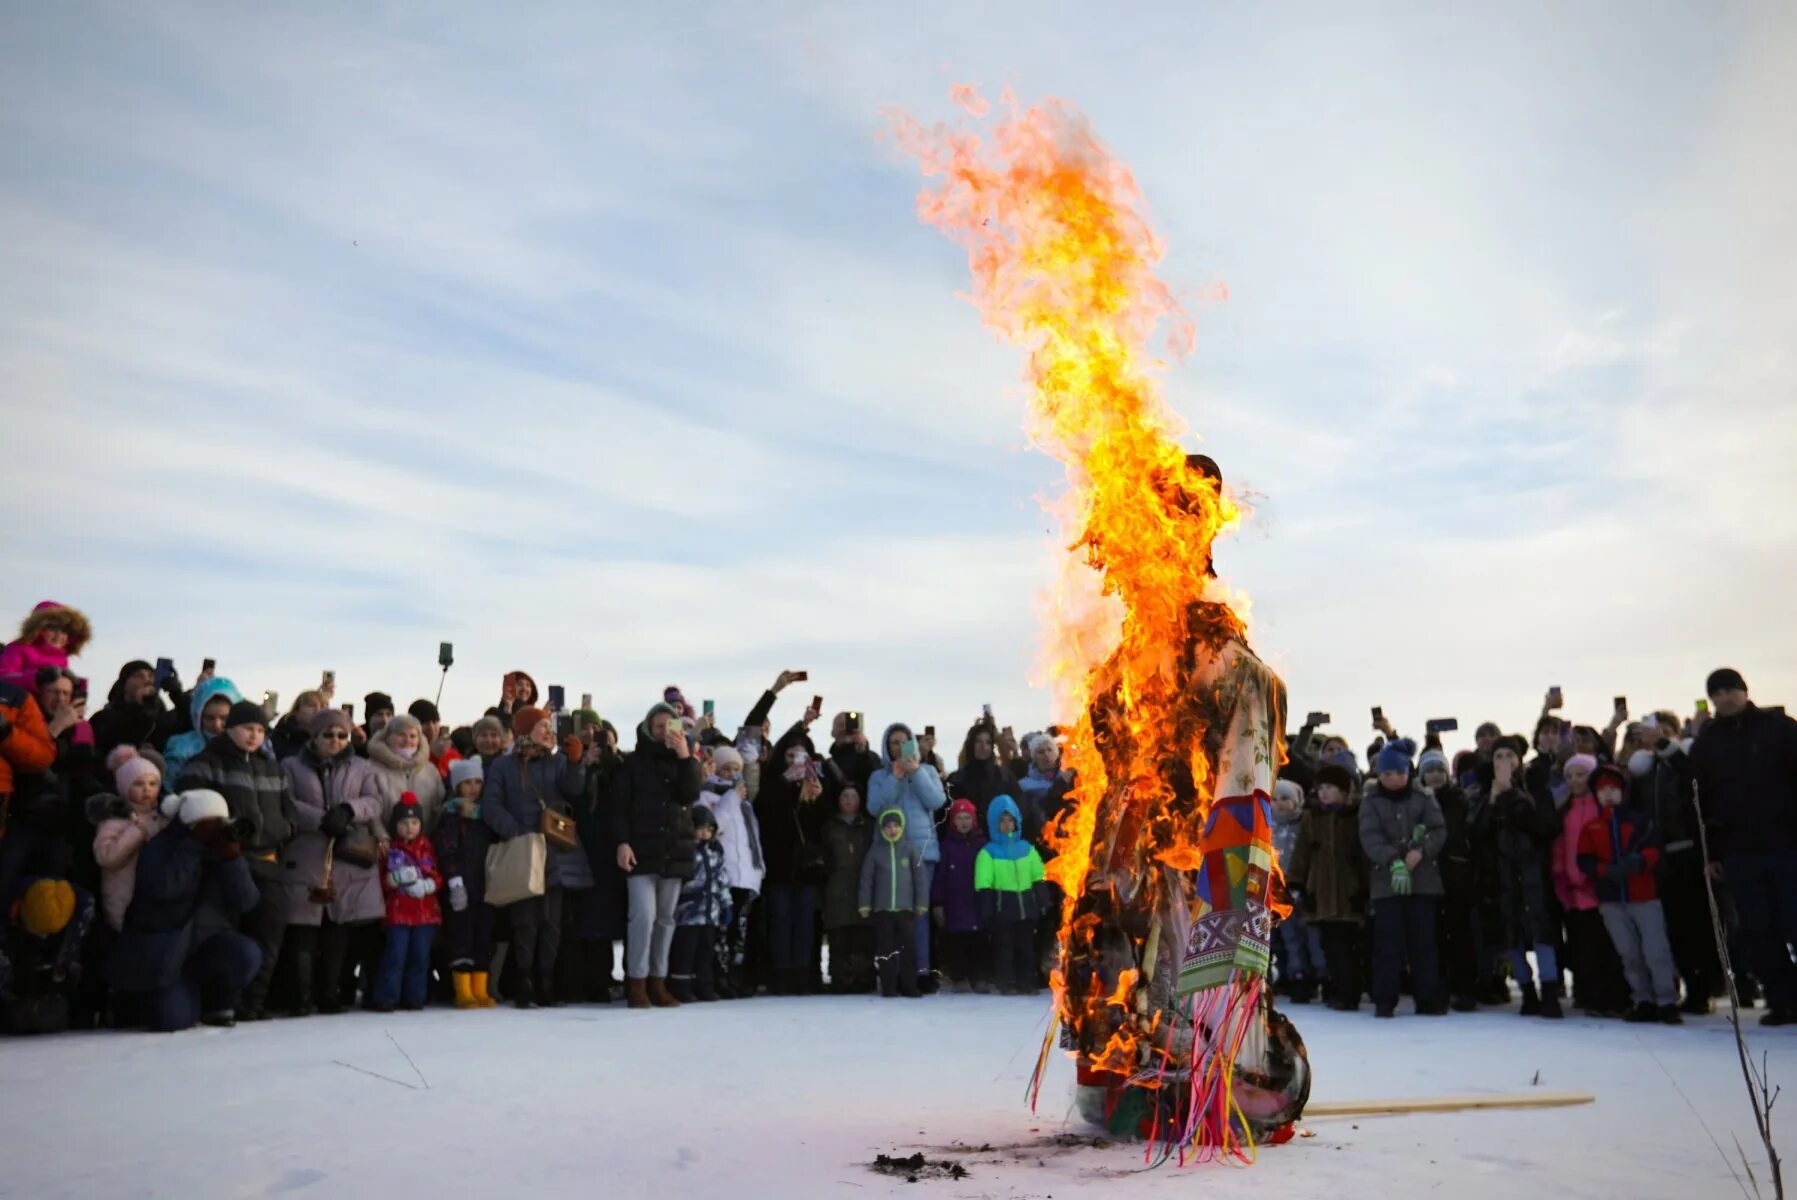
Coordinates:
659 995
1466 1004
1642 1014
681 988
1696 1003
303 1005
477 987
926 984
464 990
638 992
1531 999
1668 1015
521 997
222 1018
1778 1017
1550 1002
546 996
1303 990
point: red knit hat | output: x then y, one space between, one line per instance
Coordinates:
525 720
963 806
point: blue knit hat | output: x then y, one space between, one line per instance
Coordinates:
1393 758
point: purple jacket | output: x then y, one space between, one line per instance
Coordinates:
952 888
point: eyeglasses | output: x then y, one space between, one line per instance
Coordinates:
333 735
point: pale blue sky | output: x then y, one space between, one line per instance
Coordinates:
606 343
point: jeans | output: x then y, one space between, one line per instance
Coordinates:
1764 887
650 935
1546 962
212 978
1303 949
1638 931
922 936
791 925
1404 929
405 965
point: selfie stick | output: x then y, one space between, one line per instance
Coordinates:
442 681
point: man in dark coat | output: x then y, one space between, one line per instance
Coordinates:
261 804
1744 763
135 714
177 958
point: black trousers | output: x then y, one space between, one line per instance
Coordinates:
1404 930
895 952
1341 951
1014 955
1457 941
852 958
266 925
1688 925
965 956
537 934
468 935
692 961
1598 985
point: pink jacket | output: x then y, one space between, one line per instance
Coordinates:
116 846
1576 890
20 661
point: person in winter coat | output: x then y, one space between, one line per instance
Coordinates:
410 883
903 782
293 732
209 704
519 786
1042 786
462 842
702 916
402 764
849 751
739 834
1326 878
135 714
790 810
585 974
124 821
1744 763
895 886
52 635
330 871
178 959
233 765
1455 929
41 956
1402 833
1302 966
26 750
1008 882
1521 823
966 953
1597 982
75 774
847 837
1618 849
982 776
652 822
1659 767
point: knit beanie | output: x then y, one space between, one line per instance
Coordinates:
703 818
1337 775
246 712
130 771
192 807
407 806
1394 757
1723 679
726 756
47 907
525 720
375 702
464 769
1431 757
424 710
963 806
1588 761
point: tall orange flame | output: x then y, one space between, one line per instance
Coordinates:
1063 264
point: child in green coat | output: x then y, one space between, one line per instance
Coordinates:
1007 880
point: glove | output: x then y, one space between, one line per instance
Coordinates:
458 894
574 748
403 876
865 913
216 841
337 821
1400 878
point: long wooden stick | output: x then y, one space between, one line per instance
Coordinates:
1423 1104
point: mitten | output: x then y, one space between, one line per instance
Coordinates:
865 912
404 875
337 821
415 889
458 894
574 748
428 885
1400 878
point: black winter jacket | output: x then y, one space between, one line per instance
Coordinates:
1746 772
652 808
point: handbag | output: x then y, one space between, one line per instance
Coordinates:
557 830
358 846
517 869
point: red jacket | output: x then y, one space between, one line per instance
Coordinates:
29 748
412 910
1615 835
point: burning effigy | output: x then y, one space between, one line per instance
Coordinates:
1164 859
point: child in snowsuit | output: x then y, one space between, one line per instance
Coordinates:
895 887
726 794
847 838
1301 947
410 881
1617 849
462 843
1327 880
1008 881
956 910
702 917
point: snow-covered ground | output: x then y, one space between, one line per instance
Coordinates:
795 1097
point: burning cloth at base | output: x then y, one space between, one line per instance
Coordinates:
1164 856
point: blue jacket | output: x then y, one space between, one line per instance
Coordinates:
179 901
512 803
184 746
919 796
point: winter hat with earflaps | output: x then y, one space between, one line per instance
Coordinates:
192 807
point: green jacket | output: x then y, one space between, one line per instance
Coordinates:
894 877
1007 876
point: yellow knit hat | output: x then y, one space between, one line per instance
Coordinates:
47 907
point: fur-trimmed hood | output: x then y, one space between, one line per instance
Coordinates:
51 615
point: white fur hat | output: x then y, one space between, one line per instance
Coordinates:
190 808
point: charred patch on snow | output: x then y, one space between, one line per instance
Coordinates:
915 1167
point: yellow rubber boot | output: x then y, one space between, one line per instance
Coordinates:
464 990
481 999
